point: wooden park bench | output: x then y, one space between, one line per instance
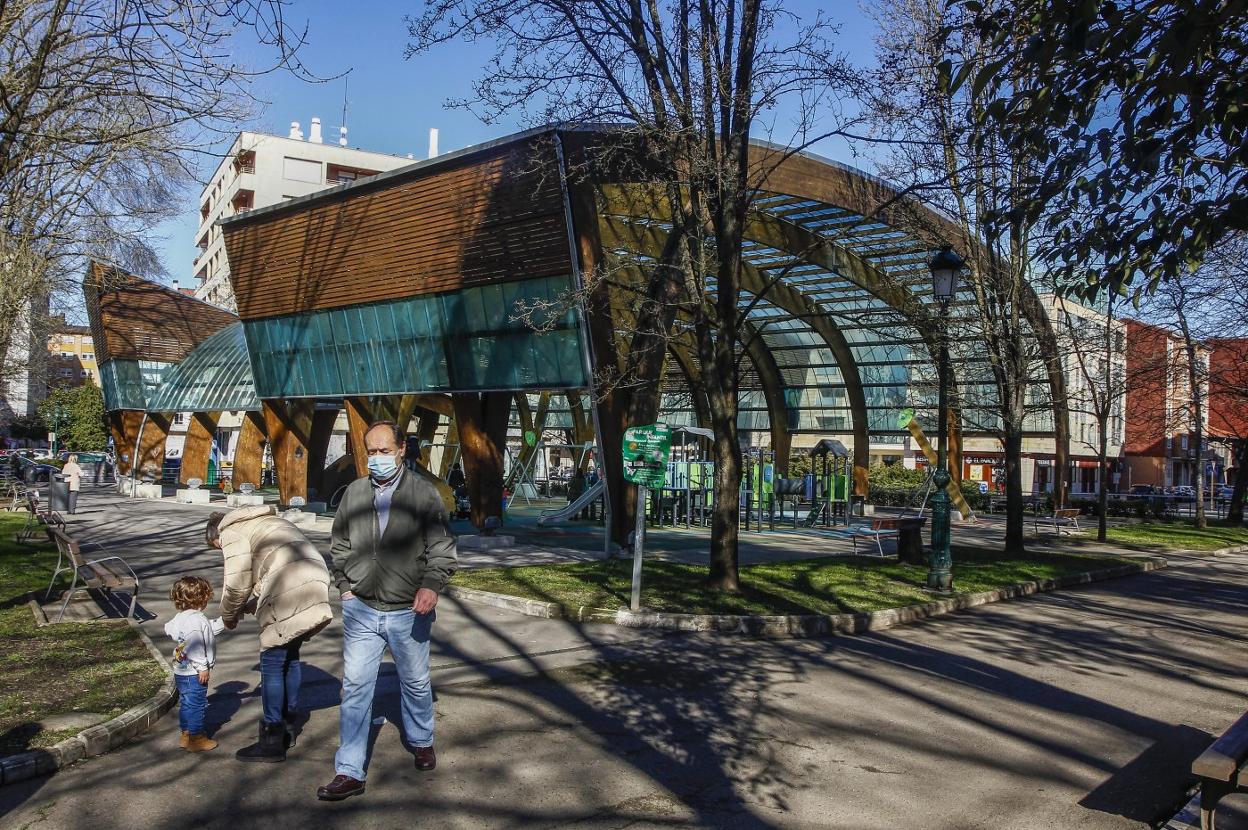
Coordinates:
1065 520
1221 770
107 573
37 516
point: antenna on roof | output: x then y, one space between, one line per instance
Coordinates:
345 81
342 130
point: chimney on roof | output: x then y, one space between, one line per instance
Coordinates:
314 131
295 132
433 142
342 136
175 285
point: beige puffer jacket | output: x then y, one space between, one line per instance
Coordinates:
269 559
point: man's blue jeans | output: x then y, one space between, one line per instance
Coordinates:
366 632
281 672
192 701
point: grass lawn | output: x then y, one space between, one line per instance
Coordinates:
805 586
1176 536
59 669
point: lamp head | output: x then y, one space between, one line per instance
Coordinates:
945 267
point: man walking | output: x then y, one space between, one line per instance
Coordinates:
392 553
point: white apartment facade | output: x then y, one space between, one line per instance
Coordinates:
261 170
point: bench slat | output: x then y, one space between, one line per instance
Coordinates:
1220 761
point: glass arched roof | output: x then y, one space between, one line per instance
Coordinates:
895 364
216 376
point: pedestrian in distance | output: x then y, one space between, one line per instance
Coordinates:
576 489
455 479
392 552
274 572
193 656
73 475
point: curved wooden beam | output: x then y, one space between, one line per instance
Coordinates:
197 447
689 367
643 238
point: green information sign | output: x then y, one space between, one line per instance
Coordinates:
646 450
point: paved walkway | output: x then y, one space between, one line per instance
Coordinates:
1078 709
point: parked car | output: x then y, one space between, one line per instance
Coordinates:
1184 492
1224 491
83 457
1141 490
33 472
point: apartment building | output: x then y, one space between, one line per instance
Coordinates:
71 356
23 377
261 170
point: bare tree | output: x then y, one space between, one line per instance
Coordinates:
105 107
1093 341
941 149
690 80
1188 309
1227 265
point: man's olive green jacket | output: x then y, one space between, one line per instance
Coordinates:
416 551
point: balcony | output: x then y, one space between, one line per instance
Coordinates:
243 199
245 162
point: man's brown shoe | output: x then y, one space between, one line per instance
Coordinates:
343 786
186 737
425 758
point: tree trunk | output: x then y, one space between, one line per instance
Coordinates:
1235 513
726 516
481 419
1102 496
1014 521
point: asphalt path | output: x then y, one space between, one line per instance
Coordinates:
1082 708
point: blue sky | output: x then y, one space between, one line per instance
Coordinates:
393 102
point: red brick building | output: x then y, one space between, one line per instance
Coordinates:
1228 392
1158 447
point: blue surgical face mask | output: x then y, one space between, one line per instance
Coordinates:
382 466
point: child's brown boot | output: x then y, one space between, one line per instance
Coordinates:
199 743
185 739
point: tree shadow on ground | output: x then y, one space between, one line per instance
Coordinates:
724 727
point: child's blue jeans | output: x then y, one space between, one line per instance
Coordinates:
192 701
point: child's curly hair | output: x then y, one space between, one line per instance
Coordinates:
191 592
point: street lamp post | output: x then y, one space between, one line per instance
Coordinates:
944 266
57 415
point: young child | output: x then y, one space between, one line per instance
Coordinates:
193 657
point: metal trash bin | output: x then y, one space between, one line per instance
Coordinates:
58 494
856 503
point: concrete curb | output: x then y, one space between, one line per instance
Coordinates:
805 625
96 740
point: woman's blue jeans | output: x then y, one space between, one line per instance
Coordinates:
281 672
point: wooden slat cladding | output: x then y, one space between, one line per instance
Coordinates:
496 216
136 319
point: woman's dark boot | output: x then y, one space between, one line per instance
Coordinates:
271 747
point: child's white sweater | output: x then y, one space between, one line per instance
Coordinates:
194 634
